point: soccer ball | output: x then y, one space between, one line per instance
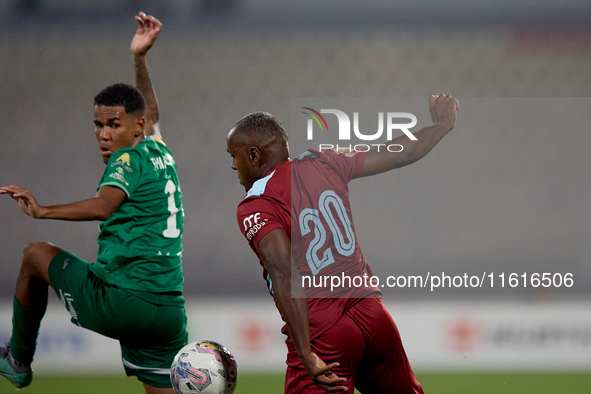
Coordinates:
204 367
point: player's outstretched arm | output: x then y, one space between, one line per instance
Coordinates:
147 33
443 113
275 251
100 207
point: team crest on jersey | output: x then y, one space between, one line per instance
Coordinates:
124 158
345 151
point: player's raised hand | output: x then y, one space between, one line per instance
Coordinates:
147 33
24 199
322 374
443 108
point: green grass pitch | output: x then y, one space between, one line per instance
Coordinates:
433 383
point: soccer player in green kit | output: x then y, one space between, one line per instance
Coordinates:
133 292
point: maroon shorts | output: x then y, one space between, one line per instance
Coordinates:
366 343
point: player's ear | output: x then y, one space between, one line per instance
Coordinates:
255 154
140 124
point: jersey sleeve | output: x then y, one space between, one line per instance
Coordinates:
257 217
123 171
346 162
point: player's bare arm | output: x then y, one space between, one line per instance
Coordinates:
147 33
100 207
275 251
443 113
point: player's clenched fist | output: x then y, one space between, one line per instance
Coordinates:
443 109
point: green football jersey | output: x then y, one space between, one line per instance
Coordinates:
140 243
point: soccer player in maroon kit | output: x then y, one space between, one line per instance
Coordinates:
337 340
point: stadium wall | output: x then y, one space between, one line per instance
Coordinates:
492 195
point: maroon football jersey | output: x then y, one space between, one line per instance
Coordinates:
311 195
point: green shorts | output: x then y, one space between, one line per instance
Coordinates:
150 335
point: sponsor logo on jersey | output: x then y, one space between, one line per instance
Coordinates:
124 158
120 164
252 225
117 176
345 151
255 229
248 221
123 162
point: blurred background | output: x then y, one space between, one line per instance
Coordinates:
493 197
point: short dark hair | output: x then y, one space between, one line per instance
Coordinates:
122 95
262 124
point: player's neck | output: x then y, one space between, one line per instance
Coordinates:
270 166
138 139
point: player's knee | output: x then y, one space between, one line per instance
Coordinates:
27 265
34 254
31 250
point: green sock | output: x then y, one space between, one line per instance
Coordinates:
25 329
